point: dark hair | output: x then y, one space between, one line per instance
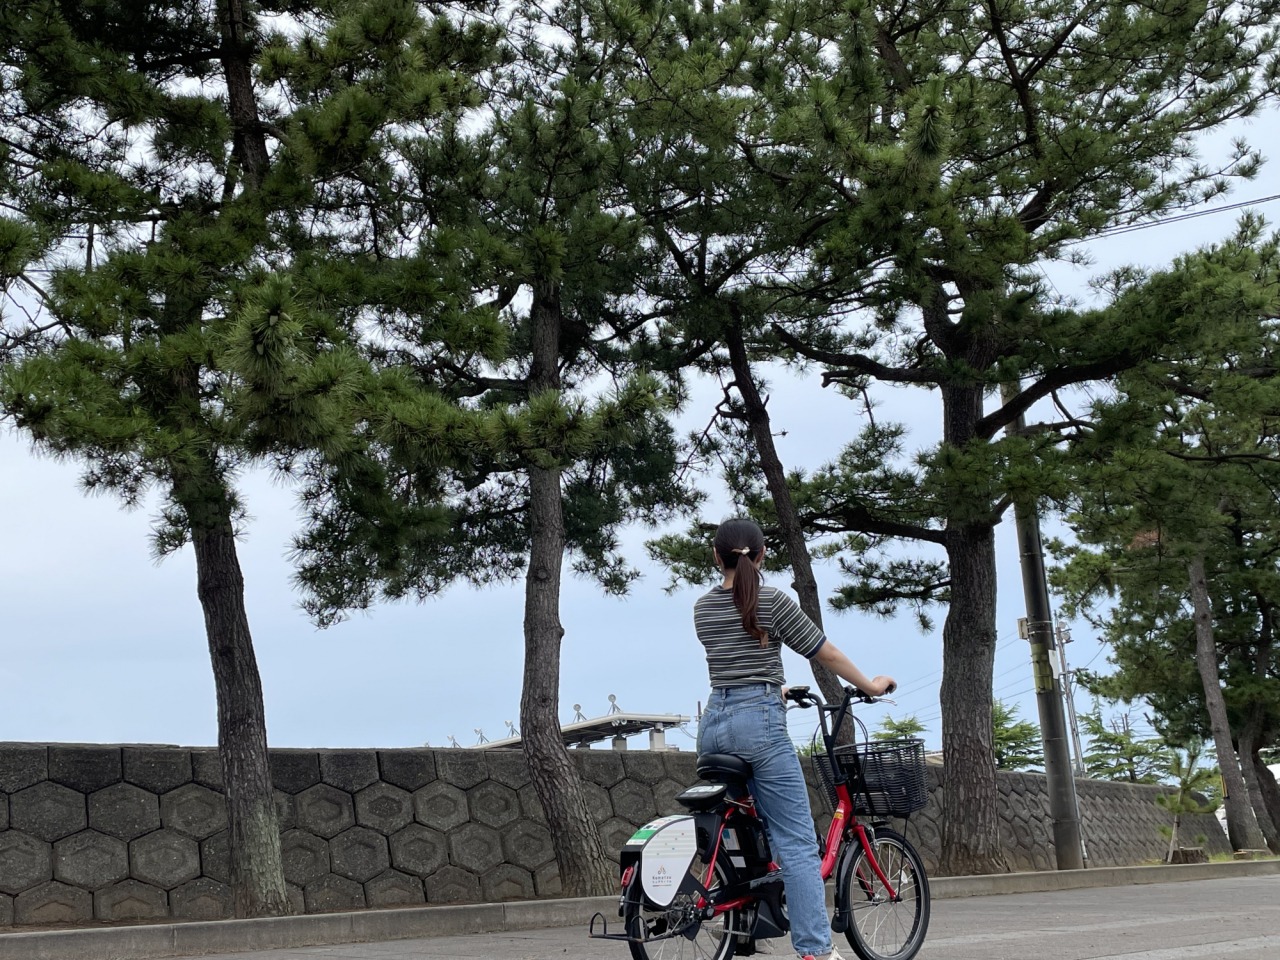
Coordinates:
737 541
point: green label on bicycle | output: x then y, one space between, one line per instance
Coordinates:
652 827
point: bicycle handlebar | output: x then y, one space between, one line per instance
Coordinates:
802 696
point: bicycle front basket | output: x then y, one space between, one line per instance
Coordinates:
886 777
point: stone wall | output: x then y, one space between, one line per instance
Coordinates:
126 833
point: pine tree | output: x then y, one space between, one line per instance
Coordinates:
501 424
144 179
1017 743
1116 752
1189 778
1180 503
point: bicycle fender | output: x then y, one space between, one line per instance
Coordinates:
844 869
664 850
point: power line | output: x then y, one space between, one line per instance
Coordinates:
1178 218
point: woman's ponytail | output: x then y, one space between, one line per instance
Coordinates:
740 546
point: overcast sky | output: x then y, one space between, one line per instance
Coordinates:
100 644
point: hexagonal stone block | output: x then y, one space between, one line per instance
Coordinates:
286 810
24 861
85 767
215 857
644 766
201 899
453 885
294 770
333 892
419 850
508 767
53 902
22 765
600 766
206 769
384 808
157 769
546 880
6 910
531 804
48 811
506 882
462 768
305 856
681 767
394 889
4 812
130 900
599 803
124 810
664 796
194 810
349 770
407 769
164 859
90 859
297 899
493 804
633 801
359 853
527 844
476 847
325 811
440 805
615 832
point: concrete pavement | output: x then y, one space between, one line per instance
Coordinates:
1015 908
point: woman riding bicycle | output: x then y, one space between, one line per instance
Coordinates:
743 624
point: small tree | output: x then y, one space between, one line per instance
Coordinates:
891 729
1190 779
1117 753
1016 743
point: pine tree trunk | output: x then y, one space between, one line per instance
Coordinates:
970 821
789 528
970 818
1247 746
249 145
584 868
1242 826
257 874
1268 786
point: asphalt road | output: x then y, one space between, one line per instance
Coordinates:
1235 919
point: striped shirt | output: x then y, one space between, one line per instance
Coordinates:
734 657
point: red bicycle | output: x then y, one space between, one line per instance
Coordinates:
704 884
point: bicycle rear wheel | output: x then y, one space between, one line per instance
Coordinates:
882 927
693 939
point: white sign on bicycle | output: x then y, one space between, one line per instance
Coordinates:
667 856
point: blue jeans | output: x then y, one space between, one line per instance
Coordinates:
751 722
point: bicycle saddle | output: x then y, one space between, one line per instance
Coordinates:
723 768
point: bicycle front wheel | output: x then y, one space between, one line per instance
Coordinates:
884 926
676 933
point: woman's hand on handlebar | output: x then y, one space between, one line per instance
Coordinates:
881 686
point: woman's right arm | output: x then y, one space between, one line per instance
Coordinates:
831 657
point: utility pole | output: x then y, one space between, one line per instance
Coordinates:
1064 637
1063 808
